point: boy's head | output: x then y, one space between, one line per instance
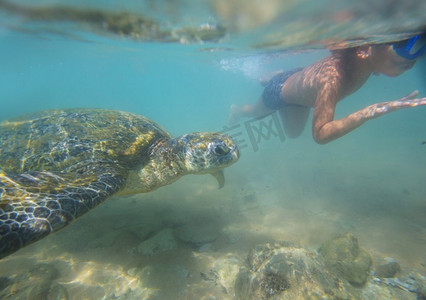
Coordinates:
396 58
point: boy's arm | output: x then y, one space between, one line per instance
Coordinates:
325 129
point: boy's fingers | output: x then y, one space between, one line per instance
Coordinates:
409 102
411 95
379 109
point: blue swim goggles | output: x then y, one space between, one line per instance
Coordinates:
411 48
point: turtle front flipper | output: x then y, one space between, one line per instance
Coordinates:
34 204
220 177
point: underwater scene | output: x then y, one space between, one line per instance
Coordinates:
213 149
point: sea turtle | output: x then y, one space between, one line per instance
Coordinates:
57 165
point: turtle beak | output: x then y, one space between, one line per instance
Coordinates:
220 177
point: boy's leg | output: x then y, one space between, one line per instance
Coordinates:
294 119
248 111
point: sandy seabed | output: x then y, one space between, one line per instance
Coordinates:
278 195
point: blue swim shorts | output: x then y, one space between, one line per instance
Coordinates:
271 96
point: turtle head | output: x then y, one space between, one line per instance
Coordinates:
208 153
172 158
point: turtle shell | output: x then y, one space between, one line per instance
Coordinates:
55 140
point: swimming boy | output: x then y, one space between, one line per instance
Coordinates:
326 82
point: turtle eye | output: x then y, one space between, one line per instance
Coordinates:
221 149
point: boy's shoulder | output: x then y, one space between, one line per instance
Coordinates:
327 69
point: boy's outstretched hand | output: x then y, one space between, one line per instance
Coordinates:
376 110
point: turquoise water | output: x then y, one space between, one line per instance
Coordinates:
369 182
